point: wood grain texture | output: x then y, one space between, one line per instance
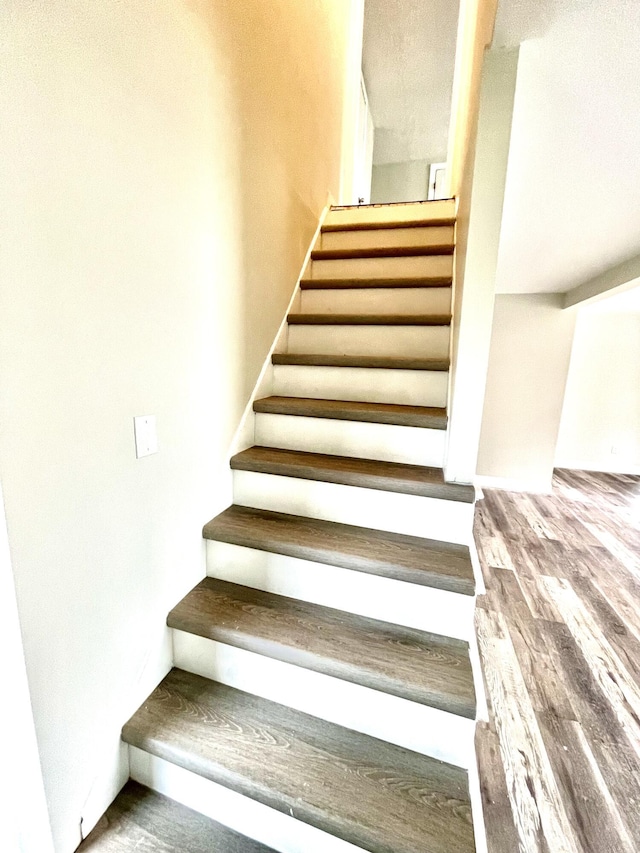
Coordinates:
363 284
349 471
405 662
501 832
592 814
560 647
141 821
369 319
370 793
616 771
540 817
390 362
427 417
426 562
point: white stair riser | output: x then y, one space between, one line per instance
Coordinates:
248 817
377 300
398 268
386 442
386 238
432 732
363 384
419 341
431 518
398 602
400 214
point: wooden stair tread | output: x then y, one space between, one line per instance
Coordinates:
380 413
367 283
369 319
349 471
427 562
370 793
141 820
423 222
415 665
390 362
381 252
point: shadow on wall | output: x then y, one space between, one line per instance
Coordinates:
285 136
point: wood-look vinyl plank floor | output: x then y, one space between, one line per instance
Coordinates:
559 636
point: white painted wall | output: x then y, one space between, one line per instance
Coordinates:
528 366
601 411
408 181
478 240
23 809
159 191
575 140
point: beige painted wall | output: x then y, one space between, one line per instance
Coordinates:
477 244
528 365
400 181
163 166
600 425
476 22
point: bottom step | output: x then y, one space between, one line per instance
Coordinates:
140 819
379 797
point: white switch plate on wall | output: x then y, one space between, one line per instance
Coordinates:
146 435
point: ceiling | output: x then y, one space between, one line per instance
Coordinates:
572 198
408 59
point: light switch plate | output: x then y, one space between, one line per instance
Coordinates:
144 428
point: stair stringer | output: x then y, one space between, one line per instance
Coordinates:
244 435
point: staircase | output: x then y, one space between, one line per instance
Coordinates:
323 696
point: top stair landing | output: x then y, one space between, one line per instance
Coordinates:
403 214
